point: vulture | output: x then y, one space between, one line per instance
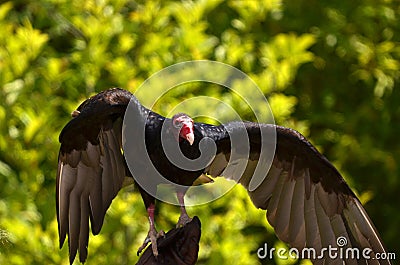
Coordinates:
306 199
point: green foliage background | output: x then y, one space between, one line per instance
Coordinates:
330 69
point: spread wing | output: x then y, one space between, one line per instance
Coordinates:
91 168
307 201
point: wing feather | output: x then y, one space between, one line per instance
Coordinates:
282 212
258 196
74 215
218 165
112 162
91 168
324 224
84 229
307 201
296 222
87 190
273 204
310 218
65 182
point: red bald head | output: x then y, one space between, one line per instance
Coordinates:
183 126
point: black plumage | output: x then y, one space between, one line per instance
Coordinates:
307 201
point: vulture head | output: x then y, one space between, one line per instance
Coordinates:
182 127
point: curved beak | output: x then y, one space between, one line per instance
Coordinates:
187 133
190 137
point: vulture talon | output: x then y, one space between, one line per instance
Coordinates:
152 237
184 219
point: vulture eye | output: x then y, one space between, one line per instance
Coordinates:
176 123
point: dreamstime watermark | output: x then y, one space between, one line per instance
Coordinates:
340 252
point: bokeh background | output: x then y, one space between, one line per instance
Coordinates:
329 69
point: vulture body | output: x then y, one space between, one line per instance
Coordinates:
307 201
